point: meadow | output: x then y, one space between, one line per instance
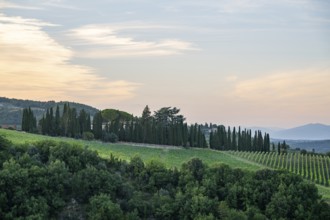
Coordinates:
170 156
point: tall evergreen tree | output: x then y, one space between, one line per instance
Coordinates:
146 124
65 119
97 125
239 139
234 141
57 121
29 122
229 140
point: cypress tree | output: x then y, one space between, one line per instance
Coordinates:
211 140
97 125
255 141
266 143
25 120
185 134
260 142
234 141
229 143
47 122
57 121
65 120
249 140
51 122
239 139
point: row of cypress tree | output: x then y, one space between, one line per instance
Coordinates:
29 121
68 123
165 127
241 140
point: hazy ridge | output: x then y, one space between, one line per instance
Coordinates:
11 109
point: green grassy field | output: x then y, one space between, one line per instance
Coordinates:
171 157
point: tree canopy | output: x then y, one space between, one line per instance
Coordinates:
57 180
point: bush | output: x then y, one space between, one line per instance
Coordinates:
110 137
101 207
88 136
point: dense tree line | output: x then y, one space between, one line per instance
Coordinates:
166 127
29 121
239 140
68 123
56 180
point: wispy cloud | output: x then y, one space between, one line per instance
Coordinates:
61 4
6 4
33 65
112 44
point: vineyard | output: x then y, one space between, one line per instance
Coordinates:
312 167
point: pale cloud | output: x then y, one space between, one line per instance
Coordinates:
231 78
305 89
35 66
107 42
6 4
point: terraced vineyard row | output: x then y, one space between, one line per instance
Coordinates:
312 167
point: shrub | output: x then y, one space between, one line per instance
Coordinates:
110 137
88 136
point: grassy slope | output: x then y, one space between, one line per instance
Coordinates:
170 157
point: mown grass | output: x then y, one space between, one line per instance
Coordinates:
169 156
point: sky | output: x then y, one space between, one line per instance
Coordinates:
232 62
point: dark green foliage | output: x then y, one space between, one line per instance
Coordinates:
222 139
102 208
109 137
29 121
68 124
56 180
88 136
165 127
97 125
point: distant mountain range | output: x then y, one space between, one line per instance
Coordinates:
315 131
309 137
306 132
11 109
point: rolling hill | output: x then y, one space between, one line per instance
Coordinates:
171 157
11 109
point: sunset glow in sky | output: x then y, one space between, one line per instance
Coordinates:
232 62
